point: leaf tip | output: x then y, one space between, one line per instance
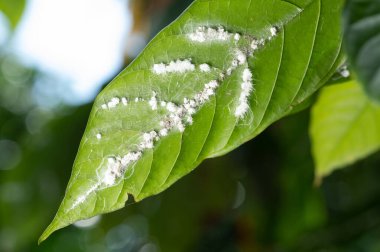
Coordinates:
54 226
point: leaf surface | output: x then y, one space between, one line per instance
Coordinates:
345 127
212 80
362 39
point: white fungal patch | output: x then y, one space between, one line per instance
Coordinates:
273 31
84 196
246 88
131 157
205 94
241 57
257 43
180 115
344 72
178 66
148 140
205 68
153 101
163 132
113 171
205 34
113 103
116 167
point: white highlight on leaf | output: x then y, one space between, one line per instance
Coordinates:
204 34
99 136
237 36
246 88
178 66
205 68
84 224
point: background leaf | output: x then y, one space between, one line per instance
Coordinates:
12 10
362 38
345 127
295 56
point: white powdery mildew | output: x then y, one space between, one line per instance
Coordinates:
148 140
344 72
181 115
205 68
273 32
239 59
153 101
205 34
246 88
257 43
84 196
111 104
117 166
178 66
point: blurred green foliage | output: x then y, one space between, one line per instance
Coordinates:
260 197
13 10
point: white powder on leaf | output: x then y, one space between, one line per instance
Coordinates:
273 31
205 68
148 140
246 89
178 66
181 115
204 34
163 132
113 103
153 101
241 57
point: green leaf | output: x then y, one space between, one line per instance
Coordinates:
345 127
362 39
291 48
13 10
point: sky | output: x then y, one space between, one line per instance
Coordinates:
81 42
